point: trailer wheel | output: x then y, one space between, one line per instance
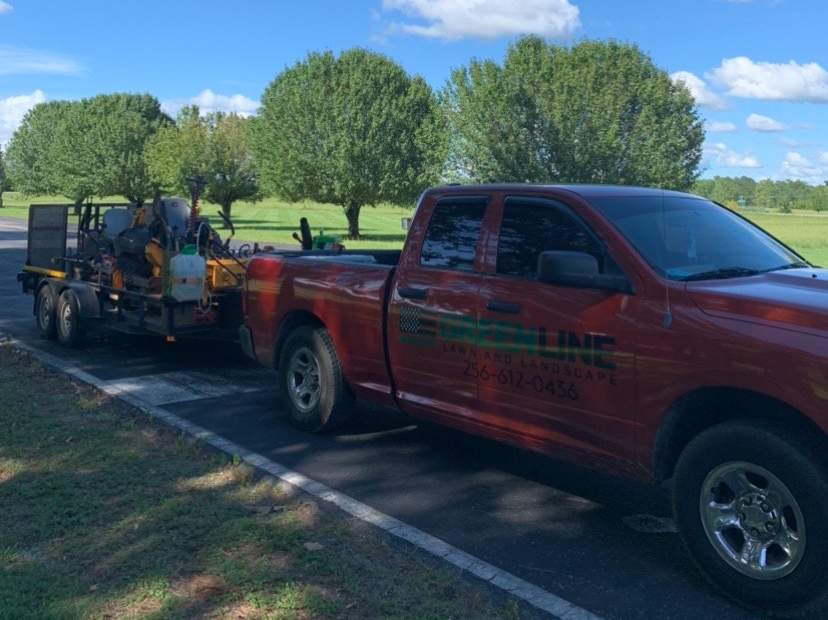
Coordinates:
69 332
45 313
751 505
311 382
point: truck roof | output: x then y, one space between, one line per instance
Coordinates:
585 190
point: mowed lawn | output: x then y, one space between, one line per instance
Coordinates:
273 221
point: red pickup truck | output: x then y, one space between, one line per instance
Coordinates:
648 333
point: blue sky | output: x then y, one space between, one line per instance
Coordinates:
756 67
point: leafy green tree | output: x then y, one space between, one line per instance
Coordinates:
818 199
594 112
768 194
102 148
793 193
352 130
4 181
703 187
213 147
30 153
92 147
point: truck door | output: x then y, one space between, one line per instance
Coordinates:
555 364
433 308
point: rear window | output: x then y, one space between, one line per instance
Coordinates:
453 234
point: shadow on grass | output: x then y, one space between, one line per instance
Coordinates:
106 515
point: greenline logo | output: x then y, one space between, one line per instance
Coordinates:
423 328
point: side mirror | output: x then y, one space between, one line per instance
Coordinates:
579 270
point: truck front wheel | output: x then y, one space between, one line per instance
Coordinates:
45 313
751 505
311 382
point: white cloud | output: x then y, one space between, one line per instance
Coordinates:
12 111
704 97
824 158
719 127
17 61
757 122
5 7
486 19
717 155
208 101
792 143
798 167
773 81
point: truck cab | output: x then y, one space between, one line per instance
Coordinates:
644 332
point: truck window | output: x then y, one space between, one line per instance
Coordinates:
531 226
453 233
689 238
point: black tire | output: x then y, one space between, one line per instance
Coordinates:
45 313
789 579
69 332
309 363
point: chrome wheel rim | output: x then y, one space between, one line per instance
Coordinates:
303 380
66 318
753 520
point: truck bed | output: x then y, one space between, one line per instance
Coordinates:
347 292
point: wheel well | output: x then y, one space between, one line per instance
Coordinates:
699 410
291 321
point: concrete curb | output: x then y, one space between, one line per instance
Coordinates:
515 586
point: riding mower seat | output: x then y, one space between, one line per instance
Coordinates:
115 221
131 241
175 212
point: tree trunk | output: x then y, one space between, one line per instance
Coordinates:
352 213
226 208
1 198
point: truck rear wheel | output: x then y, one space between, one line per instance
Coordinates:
69 332
45 313
311 382
751 505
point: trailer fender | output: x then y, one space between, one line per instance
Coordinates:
90 309
37 282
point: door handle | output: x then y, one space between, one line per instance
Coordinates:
503 306
412 293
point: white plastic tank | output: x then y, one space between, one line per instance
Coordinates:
188 272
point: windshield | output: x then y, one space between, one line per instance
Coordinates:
694 239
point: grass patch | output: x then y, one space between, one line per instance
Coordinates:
107 514
273 221
807 232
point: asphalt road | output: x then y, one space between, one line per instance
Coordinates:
578 534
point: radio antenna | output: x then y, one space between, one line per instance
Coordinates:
668 316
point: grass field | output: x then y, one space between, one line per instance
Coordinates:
106 514
273 221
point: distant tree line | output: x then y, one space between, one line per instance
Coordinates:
783 196
356 130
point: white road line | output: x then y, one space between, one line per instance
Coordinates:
515 586
176 387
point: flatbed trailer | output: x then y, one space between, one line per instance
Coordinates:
74 293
